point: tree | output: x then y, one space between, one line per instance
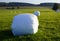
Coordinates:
55 7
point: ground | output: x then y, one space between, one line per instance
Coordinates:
48 30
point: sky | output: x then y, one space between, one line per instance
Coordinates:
32 1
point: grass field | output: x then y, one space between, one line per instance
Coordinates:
48 30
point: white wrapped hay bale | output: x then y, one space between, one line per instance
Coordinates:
37 13
25 24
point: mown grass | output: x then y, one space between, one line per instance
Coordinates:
48 30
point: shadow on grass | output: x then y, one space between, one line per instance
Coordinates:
6 34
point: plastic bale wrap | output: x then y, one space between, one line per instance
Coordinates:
24 24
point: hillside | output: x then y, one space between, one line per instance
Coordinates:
2 4
16 4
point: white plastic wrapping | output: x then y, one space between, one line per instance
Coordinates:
25 24
37 13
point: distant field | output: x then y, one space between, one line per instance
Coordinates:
49 25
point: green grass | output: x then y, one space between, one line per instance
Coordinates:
48 30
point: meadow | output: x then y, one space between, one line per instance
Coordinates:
48 30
